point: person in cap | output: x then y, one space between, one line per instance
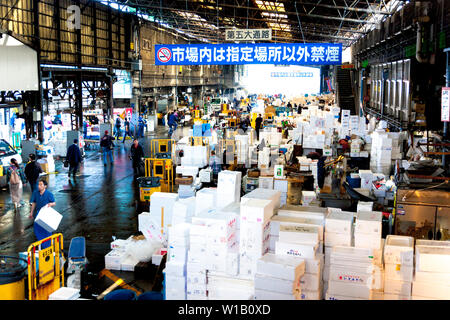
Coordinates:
106 143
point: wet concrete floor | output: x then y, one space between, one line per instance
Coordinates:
100 203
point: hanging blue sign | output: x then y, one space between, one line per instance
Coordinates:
249 53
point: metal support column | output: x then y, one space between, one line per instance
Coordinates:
447 84
37 45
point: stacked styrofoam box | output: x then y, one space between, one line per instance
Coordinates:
228 187
396 145
338 232
205 199
183 210
114 259
222 287
197 264
432 273
233 209
186 191
265 182
189 171
366 179
158 201
308 197
178 247
242 144
282 186
65 293
399 267
313 168
381 152
175 280
195 156
206 175
354 274
221 246
254 233
278 277
364 206
368 229
264 158
264 194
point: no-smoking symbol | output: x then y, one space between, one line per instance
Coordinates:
164 55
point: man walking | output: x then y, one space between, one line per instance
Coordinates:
107 146
215 164
127 130
73 157
32 171
258 122
117 128
136 155
41 198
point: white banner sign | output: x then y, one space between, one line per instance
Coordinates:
248 34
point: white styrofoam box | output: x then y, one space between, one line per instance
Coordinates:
48 218
308 196
296 249
175 295
398 272
128 263
160 201
299 234
120 244
364 206
310 282
148 225
175 282
280 185
206 175
368 222
256 210
433 243
272 240
345 255
333 239
349 290
280 266
187 170
197 289
271 295
65 293
263 194
194 297
331 296
431 290
367 240
326 273
369 276
277 220
339 222
311 295
399 250
391 296
265 282
177 253
265 182
114 258
303 211
197 256
205 199
398 287
254 236
184 208
431 277
175 268
179 231
219 225
228 187
433 259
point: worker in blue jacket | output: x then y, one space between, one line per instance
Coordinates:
73 157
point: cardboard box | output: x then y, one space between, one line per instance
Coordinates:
397 287
368 222
295 249
48 218
310 282
283 267
399 250
433 259
431 277
398 272
339 222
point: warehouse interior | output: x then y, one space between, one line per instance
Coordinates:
228 150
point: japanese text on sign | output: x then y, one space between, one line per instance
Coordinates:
248 34
259 53
445 105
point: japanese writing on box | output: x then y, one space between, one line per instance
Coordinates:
248 34
250 53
